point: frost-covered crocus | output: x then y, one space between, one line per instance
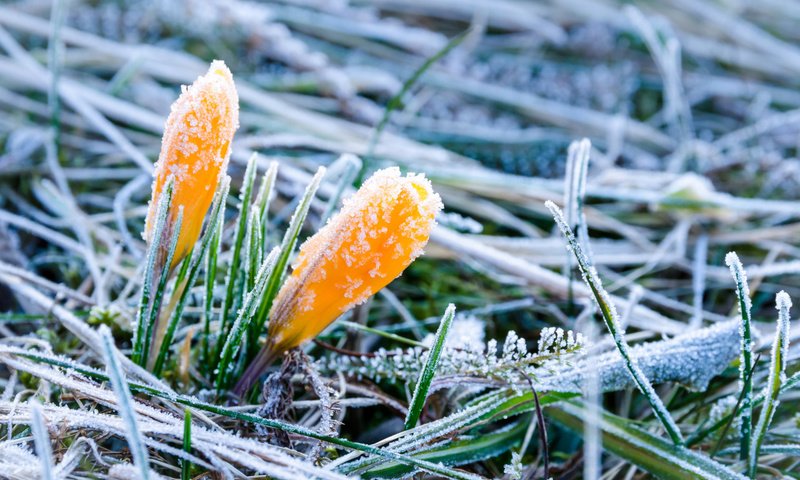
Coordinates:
377 234
194 153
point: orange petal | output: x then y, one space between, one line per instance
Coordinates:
378 233
195 151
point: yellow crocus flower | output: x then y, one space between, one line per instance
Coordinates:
377 234
194 153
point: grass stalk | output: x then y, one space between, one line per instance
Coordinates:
429 370
746 355
609 313
777 371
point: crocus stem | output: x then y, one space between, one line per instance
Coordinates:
256 368
163 321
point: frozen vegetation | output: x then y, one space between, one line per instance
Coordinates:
206 207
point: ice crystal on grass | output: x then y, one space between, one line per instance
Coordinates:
466 360
514 469
692 360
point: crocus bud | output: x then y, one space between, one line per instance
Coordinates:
377 234
194 153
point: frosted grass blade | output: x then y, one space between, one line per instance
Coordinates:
777 371
235 337
609 313
125 406
214 224
145 305
186 465
645 450
41 440
426 376
286 249
235 270
746 358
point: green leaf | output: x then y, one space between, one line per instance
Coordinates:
429 370
746 359
235 269
192 402
469 449
649 452
239 327
186 465
777 369
125 404
150 272
287 248
214 224
609 313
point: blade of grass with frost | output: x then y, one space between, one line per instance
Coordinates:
746 359
235 270
351 169
186 465
396 100
152 324
210 282
211 233
459 452
124 407
254 249
246 313
263 200
645 450
612 323
41 440
777 371
255 419
429 370
792 450
287 248
700 435
493 406
382 333
143 313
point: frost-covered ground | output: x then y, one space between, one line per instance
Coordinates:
624 361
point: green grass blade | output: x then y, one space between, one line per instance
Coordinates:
264 198
645 450
192 402
143 311
151 333
461 452
211 281
254 249
246 313
186 465
777 371
397 100
211 233
286 249
125 404
609 313
235 268
426 376
746 359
